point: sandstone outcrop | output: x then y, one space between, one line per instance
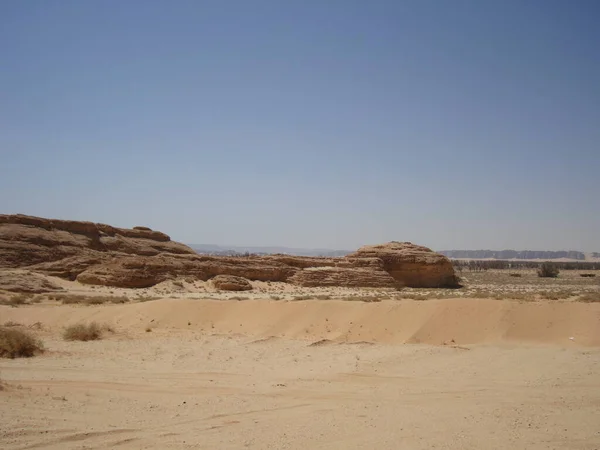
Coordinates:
230 283
140 257
342 276
26 281
411 265
26 240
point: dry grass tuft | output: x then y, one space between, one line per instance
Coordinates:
11 323
83 332
18 344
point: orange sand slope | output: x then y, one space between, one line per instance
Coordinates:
460 321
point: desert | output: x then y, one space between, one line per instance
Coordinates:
159 347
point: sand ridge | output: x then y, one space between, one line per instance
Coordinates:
437 322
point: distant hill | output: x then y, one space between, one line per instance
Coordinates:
230 250
545 255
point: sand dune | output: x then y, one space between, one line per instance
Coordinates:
460 321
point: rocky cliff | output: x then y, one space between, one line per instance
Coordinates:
100 254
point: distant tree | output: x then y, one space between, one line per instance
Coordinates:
548 270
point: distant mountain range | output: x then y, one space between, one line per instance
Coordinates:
522 255
570 255
223 250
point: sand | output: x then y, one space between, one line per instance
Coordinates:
262 374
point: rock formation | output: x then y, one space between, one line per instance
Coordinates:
136 258
411 265
231 283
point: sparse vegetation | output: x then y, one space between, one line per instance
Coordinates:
275 297
15 300
89 300
83 332
587 275
548 270
147 299
362 298
16 343
302 297
11 323
590 297
515 275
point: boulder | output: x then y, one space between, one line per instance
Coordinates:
412 265
230 283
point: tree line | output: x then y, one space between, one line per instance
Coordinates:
482 265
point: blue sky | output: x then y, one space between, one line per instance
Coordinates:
452 124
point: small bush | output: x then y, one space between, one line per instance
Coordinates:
83 332
587 275
548 270
18 344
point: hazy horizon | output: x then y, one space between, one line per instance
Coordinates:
454 125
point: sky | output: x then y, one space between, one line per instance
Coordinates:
461 124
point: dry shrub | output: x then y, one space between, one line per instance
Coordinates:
548 270
18 344
516 275
83 332
587 275
590 297
15 300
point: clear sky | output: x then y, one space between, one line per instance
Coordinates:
307 123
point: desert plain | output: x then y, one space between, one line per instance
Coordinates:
182 365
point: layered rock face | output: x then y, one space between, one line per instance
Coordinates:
411 265
136 258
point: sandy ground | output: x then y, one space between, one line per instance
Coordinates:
264 374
